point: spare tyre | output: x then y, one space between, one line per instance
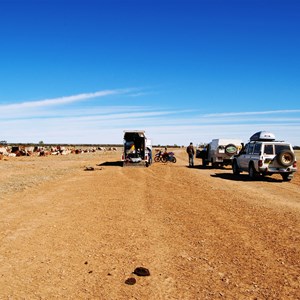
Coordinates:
231 149
285 158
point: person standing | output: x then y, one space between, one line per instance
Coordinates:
191 152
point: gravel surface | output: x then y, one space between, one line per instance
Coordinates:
68 233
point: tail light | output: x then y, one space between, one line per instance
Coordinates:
260 163
295 164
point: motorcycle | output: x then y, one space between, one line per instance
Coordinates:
158 156
168 156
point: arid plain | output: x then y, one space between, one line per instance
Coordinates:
67 233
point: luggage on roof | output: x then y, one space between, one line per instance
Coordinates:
262 136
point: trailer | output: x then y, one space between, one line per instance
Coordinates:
137 149
220 152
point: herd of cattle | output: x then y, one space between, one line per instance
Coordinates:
15 151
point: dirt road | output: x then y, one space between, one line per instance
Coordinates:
67 233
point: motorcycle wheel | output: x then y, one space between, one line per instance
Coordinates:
164 159
174 159
156 158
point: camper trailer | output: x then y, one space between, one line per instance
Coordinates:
137 150
220 152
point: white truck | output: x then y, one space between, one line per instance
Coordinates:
137 149
220 152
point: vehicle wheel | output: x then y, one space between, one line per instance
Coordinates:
215 165
174 159
235 168
286 177
164 159
252 172
156 158
285 158
231 149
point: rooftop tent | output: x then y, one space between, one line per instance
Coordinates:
132 135
262 136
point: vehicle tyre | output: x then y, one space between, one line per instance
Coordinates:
252 172
174 159
286 177
156 158
215 165
164 159
231 149
285 158
235 168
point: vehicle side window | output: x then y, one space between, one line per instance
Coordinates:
280 148
257 149
245 149
268 149
250 149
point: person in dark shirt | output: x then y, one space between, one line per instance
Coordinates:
191 152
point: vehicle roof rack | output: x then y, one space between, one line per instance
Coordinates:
262 136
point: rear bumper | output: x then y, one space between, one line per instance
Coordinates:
279 170
128 163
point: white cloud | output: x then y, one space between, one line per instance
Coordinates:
245 113
62 100
57 121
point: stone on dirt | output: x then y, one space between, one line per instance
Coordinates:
141 271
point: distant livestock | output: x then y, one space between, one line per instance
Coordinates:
17 151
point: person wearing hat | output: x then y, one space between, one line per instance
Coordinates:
191 152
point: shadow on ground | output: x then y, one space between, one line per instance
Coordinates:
111 164
244 177
201 167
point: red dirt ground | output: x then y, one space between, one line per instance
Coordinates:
67 233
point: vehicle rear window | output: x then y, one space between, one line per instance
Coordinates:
280 148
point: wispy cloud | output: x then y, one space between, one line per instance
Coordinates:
56 120
64 99
248 113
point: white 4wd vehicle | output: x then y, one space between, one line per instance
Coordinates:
263 155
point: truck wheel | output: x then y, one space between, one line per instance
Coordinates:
252 172
235 168
286 158
174 159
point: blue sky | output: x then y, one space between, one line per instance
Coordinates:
83 71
